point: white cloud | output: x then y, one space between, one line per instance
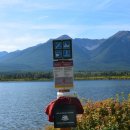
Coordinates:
8 48
43 17
103 4
29 5
20 42
49 26
5 27
8 3
14 36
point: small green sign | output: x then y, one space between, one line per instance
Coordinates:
62 49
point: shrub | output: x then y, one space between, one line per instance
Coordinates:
109 114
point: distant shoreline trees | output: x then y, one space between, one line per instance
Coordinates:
79 75
27 76
102 75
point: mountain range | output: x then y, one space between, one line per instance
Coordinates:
111 54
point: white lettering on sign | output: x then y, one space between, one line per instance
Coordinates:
58 72
68 71
63 72
63 77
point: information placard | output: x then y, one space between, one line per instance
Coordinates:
65 116
63 77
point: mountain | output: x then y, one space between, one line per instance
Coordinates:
35 58
3 53
39 58
114 53
88 54
88 43
82 55
63 37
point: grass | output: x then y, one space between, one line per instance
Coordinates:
103 78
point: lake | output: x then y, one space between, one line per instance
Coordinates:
22 104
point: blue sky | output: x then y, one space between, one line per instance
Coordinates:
25 23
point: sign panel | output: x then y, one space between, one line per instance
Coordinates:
57 44
63 63
64 82
63 77
58 54
58 72
62 49
67 54
65 116
67 44
68 72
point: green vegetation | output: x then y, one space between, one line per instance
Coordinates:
109 114
80 75
26 76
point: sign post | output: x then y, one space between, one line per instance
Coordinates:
63 70
63 64
64 109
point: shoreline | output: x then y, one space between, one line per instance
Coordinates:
48 76
76 79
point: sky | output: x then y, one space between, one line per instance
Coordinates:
26 23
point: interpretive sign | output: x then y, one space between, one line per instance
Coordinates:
65 116
63 77
62 49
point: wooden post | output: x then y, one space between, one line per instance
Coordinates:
64 90
60 45
65 128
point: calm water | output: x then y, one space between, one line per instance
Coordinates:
22 104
